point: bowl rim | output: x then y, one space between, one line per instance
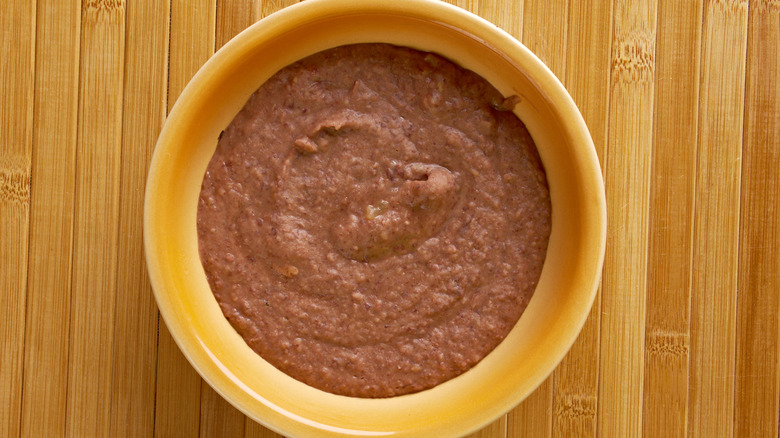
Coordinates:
447 14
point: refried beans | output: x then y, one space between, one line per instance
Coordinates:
374 220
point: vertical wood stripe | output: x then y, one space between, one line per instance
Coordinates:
716 232
233 16
545 32
264 8
469 5
177 401
218 418
627 187
757 389
533 417
506 14
495 429
587 79
97 216
135 326
54 167
667 340
255 430
17 21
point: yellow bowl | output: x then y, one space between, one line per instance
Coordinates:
543 334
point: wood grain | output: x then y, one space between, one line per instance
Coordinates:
97 218
628 189
495 429
135 327
233 16
667 339
757 386
589 39
682 101
716 224
218 418
264 8
255 430
177 401
17 21
54 166
533 417
469 5
545 32
506 14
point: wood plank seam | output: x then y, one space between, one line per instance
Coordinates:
735 4
607 127
167 112
551 426
167 89
738 226
738 223
26 198
649 66
75 216
694 219
106 6
166 106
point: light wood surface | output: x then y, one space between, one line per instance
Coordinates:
683 102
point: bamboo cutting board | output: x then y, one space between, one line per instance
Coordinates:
683 102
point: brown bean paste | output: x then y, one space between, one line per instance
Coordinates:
374 220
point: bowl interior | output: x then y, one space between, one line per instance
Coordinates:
569 278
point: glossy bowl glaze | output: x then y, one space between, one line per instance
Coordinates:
543 334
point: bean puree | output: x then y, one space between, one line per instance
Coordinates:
374 220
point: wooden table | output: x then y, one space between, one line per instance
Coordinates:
683 102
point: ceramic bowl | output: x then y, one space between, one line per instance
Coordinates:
571 271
